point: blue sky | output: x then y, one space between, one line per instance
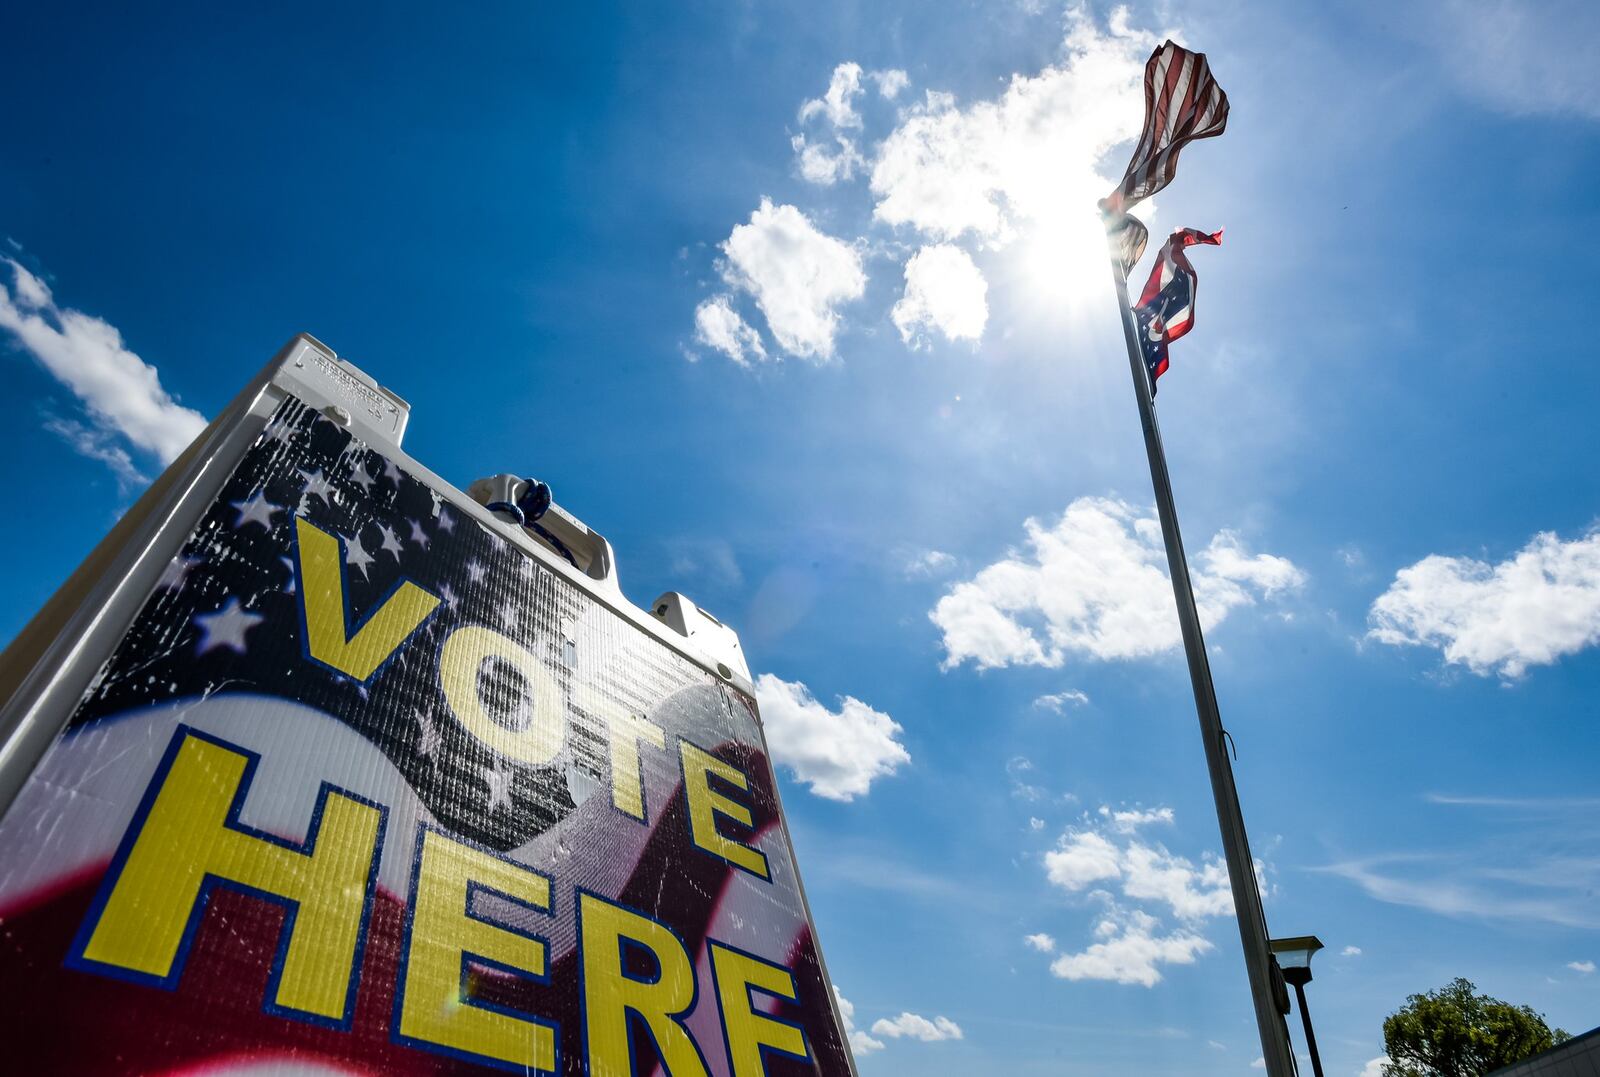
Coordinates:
801 305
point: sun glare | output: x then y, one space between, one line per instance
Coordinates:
1061 262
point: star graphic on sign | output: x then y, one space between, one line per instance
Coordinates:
391 541
447 521
475 570
418 535
288 565
355 555
255 509
438 502
317 485
176 574
392 471
447 595
525 566
281 432
508 616
226 627
359 476
428 739
499 783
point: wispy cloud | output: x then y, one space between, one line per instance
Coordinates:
923 563
1509 55
98 444
1529 804
121 393
1547 890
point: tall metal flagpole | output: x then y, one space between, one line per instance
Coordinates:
1275 1049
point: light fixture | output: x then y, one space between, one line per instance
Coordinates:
1294 958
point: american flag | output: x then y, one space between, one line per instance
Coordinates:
1127 236
1165 310
1182 102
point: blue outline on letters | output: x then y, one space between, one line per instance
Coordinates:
750 990
630 1015
468 959
755 832
350 632
213 881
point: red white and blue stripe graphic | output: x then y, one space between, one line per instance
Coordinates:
1182 102
1165 310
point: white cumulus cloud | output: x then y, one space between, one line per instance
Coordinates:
927 562
1082 858
890 82
1131 951
838 753
1094 584
981 170
826 163
1373 1068
835 157
837 105
121 392
945 292
917 1027
1585 967
798 276
717 325
860 1041
1144 871
1350 951
1529 610
1041 942
1060 701
1134 879
1132 819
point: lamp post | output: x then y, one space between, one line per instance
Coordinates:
1294 958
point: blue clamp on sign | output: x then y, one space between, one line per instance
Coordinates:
509 509
535 502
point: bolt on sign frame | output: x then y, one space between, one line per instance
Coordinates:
317 766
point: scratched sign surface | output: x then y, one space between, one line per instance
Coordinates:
366 789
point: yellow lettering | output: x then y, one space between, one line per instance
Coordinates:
435 1007
188 841
322 595
749 1032
705 804
610 994
542 729
625 731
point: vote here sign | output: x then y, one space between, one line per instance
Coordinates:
366 788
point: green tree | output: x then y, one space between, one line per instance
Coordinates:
1456 1032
